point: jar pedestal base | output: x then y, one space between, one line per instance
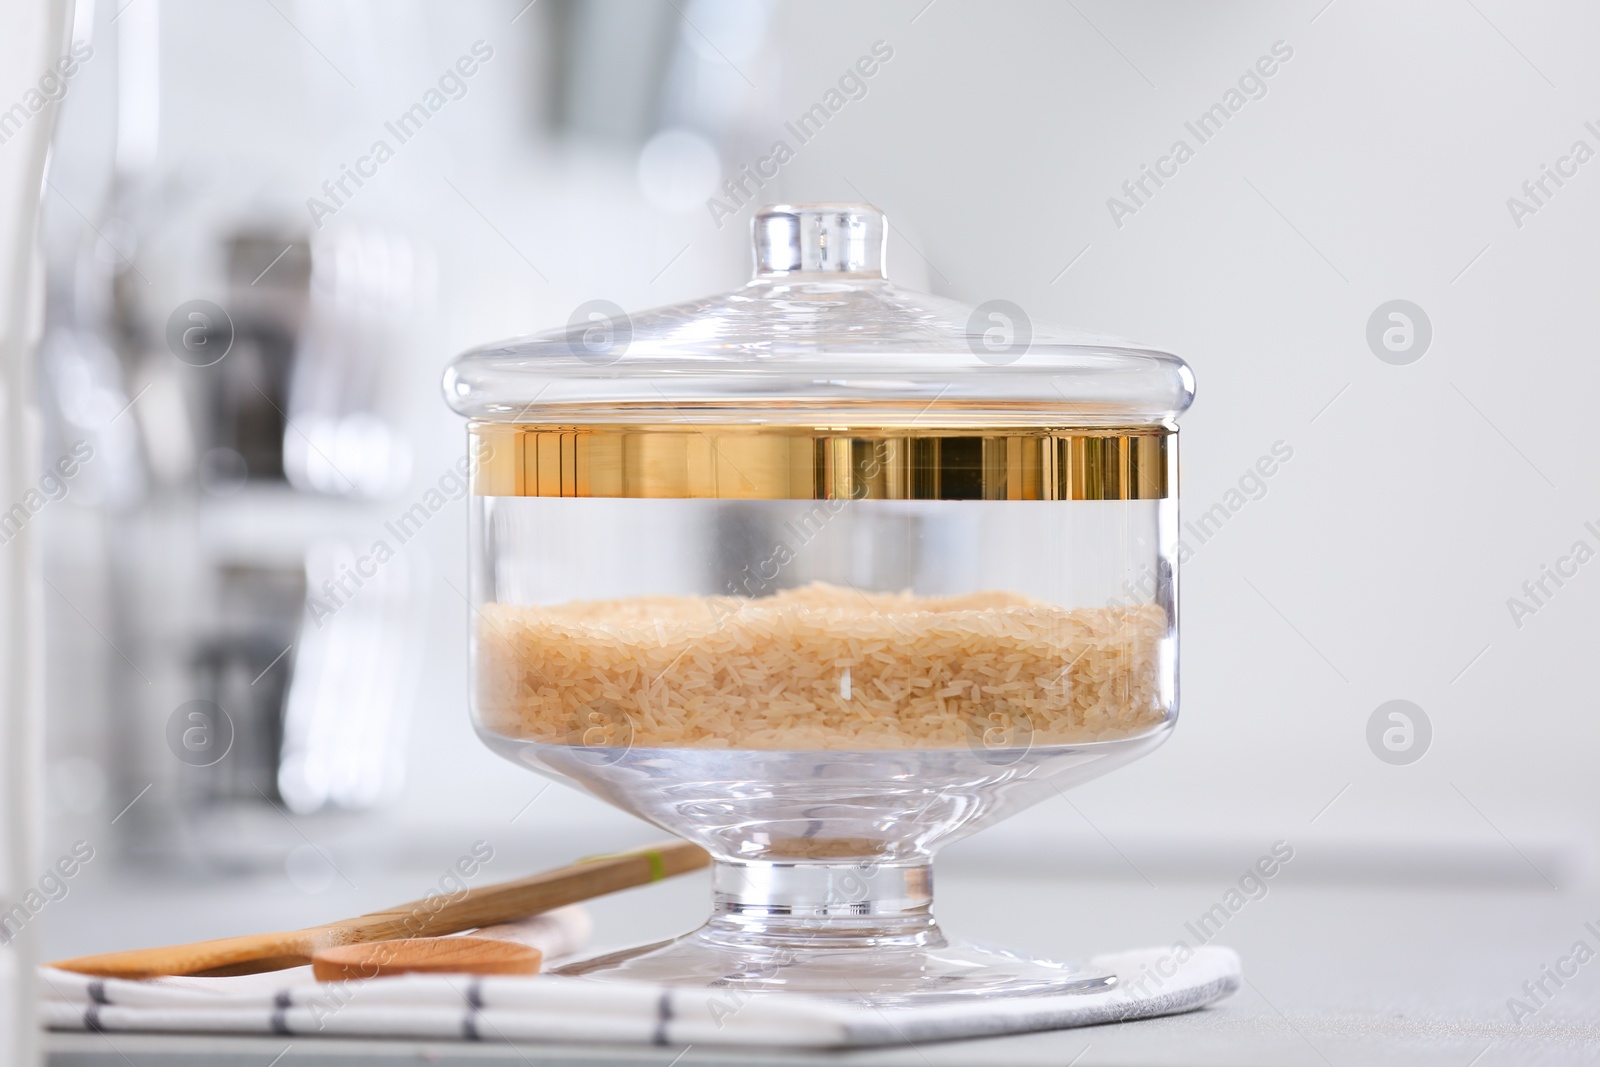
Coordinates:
849 932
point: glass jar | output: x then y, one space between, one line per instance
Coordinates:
823 574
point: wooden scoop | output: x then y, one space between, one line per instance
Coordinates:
426 955
441 914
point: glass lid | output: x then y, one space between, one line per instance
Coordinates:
819 331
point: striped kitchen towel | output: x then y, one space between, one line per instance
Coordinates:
1151 982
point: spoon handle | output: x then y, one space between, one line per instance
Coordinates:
441 914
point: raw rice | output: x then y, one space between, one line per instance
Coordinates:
821 667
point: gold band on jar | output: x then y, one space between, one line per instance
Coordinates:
823 463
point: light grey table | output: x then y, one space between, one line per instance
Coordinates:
1334 974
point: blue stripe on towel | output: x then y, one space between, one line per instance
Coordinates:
469 1023
278 1021
663 1017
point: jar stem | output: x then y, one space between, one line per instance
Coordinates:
817 905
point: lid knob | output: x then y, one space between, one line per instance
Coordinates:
838 238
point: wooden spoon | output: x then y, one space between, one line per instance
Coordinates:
441 914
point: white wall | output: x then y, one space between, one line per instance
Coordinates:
1377 166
